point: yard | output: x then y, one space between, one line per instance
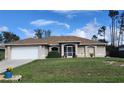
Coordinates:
73 70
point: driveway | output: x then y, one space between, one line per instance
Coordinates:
12 63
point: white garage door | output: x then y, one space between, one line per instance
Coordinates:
24 52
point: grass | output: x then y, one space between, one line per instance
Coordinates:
72 70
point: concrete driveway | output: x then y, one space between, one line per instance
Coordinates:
12 63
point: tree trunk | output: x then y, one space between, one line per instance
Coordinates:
112 42
116 34
104 35
119 38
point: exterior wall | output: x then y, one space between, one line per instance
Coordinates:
62 50
8 52
50 49
89 50
84 51
46 50
81 51
76 49
100 51
43 52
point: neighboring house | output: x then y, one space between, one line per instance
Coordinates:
121 51
67 46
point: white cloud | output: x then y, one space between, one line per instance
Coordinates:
28 33
78 32
4 28
43 22
66 11
70 16
89 30
75 11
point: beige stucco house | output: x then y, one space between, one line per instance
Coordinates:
67 46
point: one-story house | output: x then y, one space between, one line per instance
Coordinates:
67 46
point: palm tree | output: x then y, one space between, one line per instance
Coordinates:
113 14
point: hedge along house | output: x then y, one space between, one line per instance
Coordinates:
67 46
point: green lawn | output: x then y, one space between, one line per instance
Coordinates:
73 70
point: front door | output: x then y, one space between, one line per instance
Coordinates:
69 51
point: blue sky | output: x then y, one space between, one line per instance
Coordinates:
69 22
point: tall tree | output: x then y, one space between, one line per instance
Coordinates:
39 33
113 14
101 31
9 37
47 33
121 32
1 38
94 37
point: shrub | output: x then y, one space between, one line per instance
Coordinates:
53 54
